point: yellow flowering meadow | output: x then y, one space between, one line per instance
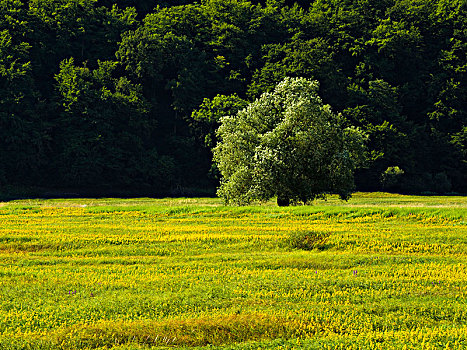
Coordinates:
385 272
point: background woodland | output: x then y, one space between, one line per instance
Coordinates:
125 96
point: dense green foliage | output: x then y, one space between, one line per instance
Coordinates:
288 145
128 94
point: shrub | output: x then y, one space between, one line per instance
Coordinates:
307 240
441 183
391 177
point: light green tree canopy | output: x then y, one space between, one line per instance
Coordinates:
286 144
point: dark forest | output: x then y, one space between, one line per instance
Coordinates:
124 97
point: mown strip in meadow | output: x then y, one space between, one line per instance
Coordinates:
191 273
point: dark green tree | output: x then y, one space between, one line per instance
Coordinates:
21 127
106 135
286 144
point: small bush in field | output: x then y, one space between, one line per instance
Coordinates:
307 240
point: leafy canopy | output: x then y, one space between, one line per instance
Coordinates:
286 144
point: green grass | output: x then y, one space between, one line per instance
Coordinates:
194 274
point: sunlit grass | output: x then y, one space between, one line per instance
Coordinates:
155 273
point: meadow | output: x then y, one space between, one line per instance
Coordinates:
388 272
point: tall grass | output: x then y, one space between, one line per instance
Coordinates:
191 273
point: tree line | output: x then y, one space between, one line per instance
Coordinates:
129 94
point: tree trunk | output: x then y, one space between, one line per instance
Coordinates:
283 201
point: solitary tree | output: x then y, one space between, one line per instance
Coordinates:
286 144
